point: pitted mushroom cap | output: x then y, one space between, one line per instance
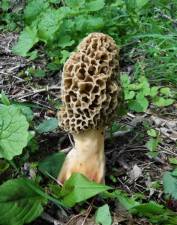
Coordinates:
90 90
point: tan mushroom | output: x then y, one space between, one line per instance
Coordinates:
90 96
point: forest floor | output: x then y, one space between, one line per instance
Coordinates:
128 166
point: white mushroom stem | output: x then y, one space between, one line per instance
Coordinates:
87 157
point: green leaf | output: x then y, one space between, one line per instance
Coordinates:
25 110
165 91
152 144
154 212
75 3
78 188
27 39
47 125
135 86
170 184
147 209
94 23
20 202
103 215
173 161
95 5
52 164
162 102
174 173
33 10
65 41
128 94
5 5
48 25
125 80
4 99
39 73
124 200
65 54
140 104
153 91
141 3
152 133
13 132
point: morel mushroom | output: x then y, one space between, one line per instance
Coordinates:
90 95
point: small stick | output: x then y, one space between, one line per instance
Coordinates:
88 211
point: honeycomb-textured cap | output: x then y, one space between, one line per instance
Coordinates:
90 90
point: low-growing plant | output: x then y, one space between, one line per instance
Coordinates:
140 94
145 32
10 15
60 25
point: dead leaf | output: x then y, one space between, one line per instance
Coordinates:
135 173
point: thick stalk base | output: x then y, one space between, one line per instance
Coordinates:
87 157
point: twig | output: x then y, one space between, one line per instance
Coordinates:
124 185
88 211
53 178
21 96
73 218
161 14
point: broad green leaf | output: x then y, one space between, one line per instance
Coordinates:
25 110
124 200
145 86
174 173
75 3
165 91
152 144
134 86
153 91
125 80
5 5
39 73
143 80
95 5
20 202
162 102
103 215
65 54
173 161
49 23
88 23
152 133
147 209
33 9
140 104
141 3
4 99
52 164
95 23
129 94
13 132
47 125
78 188
27 39
154 212
65 41
170 184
